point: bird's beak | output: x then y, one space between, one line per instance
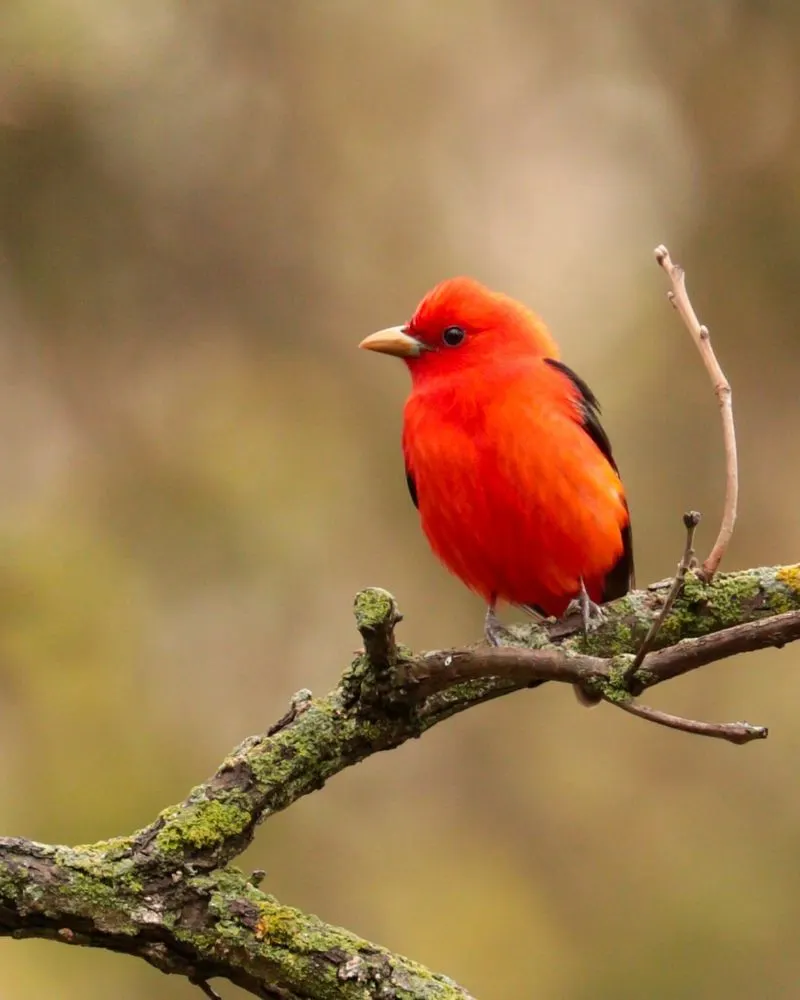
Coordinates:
393 340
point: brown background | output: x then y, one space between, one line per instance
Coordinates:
204 206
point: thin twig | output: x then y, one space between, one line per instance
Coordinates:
207 988
690 521
680 300
731 732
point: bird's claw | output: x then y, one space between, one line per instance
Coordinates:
591 614
493 628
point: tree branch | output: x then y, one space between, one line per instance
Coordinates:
731 732
168 894
201 927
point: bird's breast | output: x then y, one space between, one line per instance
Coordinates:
514 497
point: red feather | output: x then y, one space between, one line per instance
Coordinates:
517 490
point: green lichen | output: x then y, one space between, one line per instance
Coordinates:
372 607
615 686
359 665
10 883
615 639
526 636
284 926
779 602
694 589
729 595
106 902
201 825
90 884
110 850
259 935
702 608
302 757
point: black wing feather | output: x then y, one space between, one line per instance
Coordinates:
412 487
620 578
590 409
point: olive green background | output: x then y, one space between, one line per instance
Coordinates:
204 206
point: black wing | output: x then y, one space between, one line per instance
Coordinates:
590 409
620 578
412 487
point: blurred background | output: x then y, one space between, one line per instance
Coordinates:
203 208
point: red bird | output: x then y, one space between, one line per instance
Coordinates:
506 459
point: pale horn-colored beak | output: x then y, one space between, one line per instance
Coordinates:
393 340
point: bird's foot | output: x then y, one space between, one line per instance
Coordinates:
591 614
493 628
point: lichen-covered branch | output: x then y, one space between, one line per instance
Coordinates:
200 926
169 894
736 613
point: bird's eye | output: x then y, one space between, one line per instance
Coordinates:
453 336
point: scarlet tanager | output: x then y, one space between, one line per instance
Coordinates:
517 489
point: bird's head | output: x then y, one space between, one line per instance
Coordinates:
460 324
